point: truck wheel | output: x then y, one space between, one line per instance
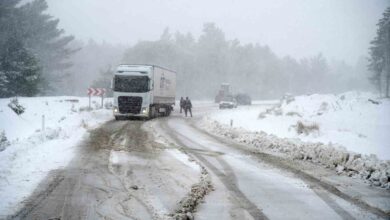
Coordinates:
152 112
118 118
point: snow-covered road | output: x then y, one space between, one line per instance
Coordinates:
246 187
164 168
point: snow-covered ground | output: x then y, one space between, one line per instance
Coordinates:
349 133
348 119
33 152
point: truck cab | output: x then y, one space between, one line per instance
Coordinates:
135 93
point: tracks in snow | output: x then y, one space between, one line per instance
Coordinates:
340 203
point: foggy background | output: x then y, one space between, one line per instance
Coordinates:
264 48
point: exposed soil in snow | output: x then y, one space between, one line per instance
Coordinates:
188 205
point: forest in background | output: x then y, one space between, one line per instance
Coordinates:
38 58
204 63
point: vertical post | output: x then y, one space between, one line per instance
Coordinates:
231 122
89 106
43 122
387 66
43 133
102 100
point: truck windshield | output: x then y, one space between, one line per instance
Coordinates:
135 84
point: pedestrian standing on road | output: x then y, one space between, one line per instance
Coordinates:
181 104
187 106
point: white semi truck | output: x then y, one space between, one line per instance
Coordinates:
145 91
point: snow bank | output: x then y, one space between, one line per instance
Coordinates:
356 165
31 152
348 119
352 132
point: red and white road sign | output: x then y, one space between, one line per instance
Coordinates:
96 91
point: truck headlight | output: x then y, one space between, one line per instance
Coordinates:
145 110
115 109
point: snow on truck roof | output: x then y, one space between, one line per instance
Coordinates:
140 67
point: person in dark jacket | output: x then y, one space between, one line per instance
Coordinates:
187 106
181 104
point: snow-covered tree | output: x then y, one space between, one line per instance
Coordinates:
380 55
49 44
20 74
31 48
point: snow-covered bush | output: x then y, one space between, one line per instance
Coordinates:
287 98
275 110
323 108
51 134
292 113
3 141
307 128
262 115
96 105
16 107
73 108
374 101
108 105
84 108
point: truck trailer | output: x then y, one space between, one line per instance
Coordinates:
144 91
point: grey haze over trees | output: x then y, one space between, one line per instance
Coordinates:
380 56
33 50
104 80
91 64
47 59
204 63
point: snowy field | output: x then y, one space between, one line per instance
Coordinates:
348 120
32 152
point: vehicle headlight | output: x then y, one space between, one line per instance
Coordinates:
115 109
145 110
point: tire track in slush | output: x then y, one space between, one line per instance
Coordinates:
229 181
319 187
66 195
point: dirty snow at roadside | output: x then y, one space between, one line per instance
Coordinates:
273 129
348 119
31 152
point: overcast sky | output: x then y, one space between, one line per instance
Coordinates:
340 29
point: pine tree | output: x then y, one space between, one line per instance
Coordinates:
47 41
31 48
379 62
19 71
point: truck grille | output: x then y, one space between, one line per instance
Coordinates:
129 104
